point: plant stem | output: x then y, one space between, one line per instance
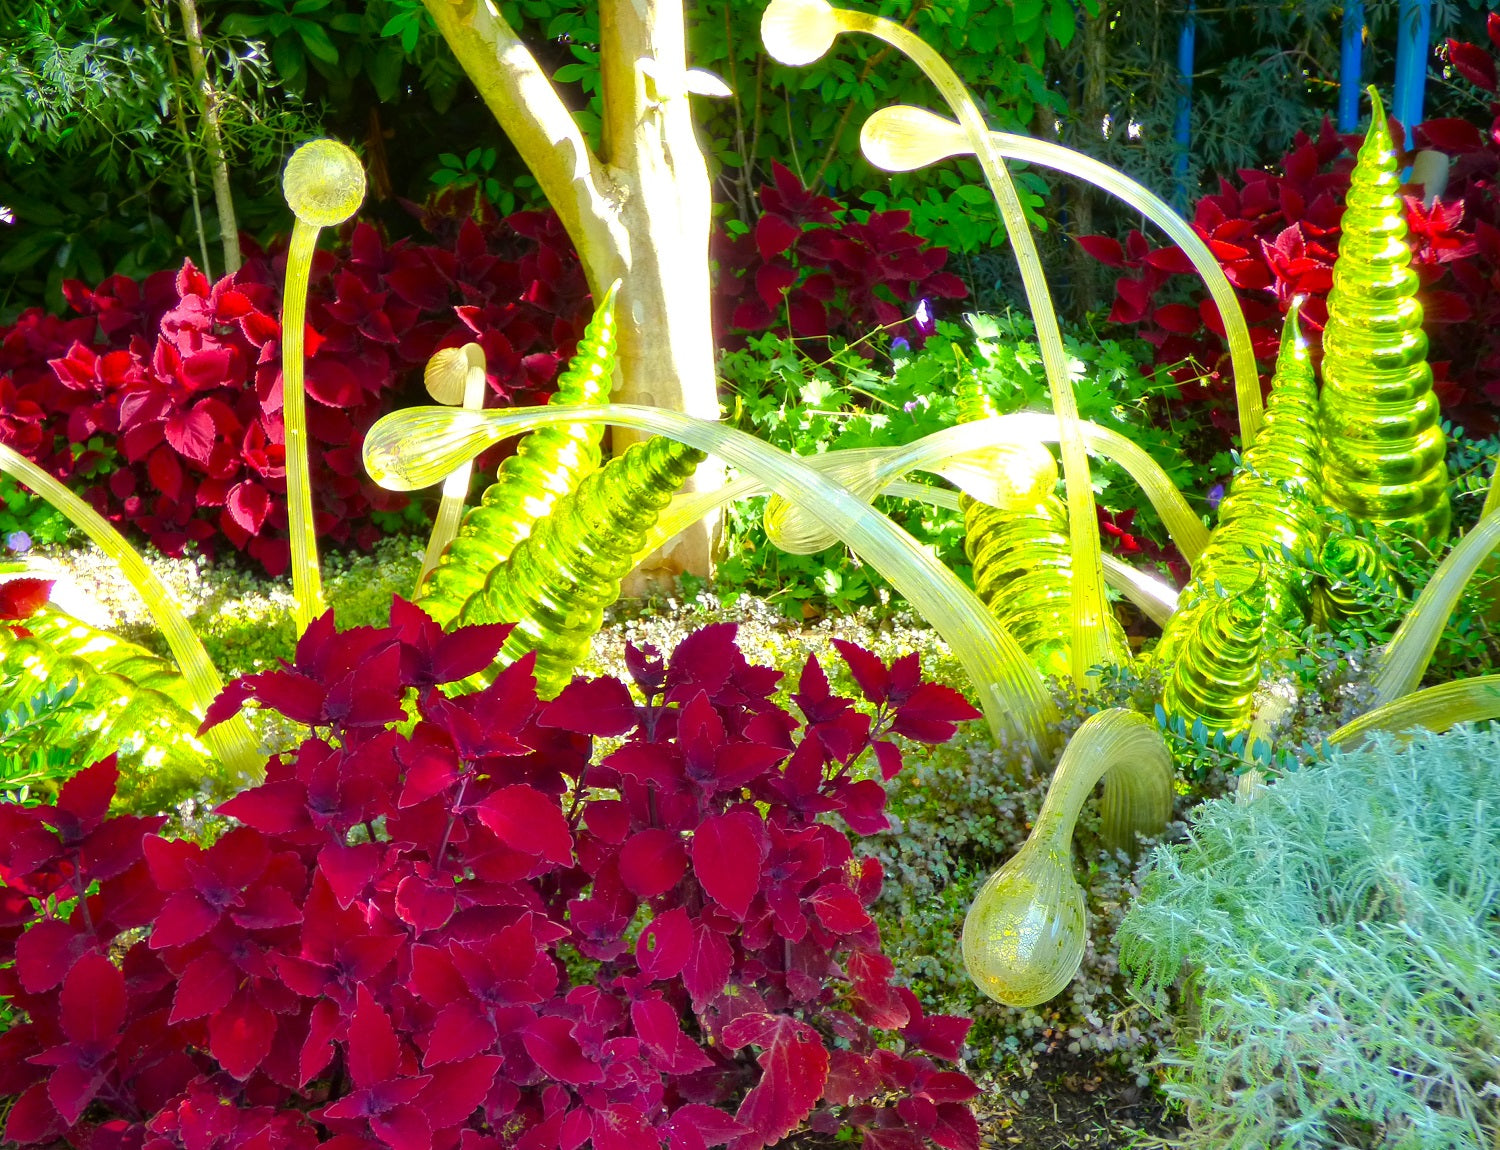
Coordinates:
159 21
229 233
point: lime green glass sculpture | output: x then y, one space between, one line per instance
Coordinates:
416 448
556 582
801 31
1020 551
1214 675
455 376
1349 568
1383 446
1268 518
547 465
324 185
1025 932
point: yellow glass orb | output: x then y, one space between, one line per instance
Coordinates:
798 32
324 183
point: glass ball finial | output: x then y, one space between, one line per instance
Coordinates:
798 32
324 183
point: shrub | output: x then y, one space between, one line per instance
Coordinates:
456 925
814 268
880 394
1275 232
183 377
1337 934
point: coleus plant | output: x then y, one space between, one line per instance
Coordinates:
184 376
1275 232
455 930
812 267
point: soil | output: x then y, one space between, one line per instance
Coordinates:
1071 1103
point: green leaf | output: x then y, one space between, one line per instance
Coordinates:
571 73
317 42
383 66
239 24
1062 22
1026 12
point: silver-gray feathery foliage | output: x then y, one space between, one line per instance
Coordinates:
1338 940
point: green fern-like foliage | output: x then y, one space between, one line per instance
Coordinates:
556 583
546 466
1338 934
34 758
126 701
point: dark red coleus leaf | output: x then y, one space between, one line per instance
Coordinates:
727 852
1476 65
794 1067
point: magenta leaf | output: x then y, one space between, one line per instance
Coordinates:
592 707
530 822
652 861
550 1042
838 908
727 853
671 1050
794 1068
709 964
240 1035
665 945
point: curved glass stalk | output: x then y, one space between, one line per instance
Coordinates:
1155 598
957 454
1433 709
1025 932
1406 657
792 29
1019 547
1384 452
233 744
455 376
557 581
324 185
417 447
902 138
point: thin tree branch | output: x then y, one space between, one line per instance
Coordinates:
522 99
229 231
159 23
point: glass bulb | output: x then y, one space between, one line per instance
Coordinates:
798 32
902 138
324 183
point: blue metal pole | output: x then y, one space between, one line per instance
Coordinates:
1351 65
1413 32
1184 131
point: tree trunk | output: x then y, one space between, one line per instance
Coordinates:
229 229
639 213
1094 105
